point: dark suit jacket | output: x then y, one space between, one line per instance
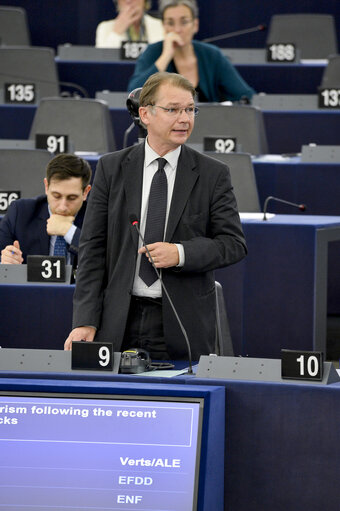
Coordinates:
203 217
25 221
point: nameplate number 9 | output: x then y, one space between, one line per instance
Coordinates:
93 356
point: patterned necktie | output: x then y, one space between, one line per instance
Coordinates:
60 246
155 220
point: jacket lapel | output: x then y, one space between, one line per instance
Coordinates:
44 238
186 177
132 168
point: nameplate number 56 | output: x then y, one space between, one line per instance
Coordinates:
6 198
302 365
46 269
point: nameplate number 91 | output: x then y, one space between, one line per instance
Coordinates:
53 143
302 365
46 269
93 356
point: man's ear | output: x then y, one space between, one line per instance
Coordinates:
46 185
144 115
86 191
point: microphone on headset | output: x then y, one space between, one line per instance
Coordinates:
132 104
134 222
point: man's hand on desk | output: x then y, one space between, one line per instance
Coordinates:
82 333
58 225
12 254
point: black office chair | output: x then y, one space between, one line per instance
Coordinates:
331 74
245 123
87 123
243 180
19 64
23 170
14 28
313 34
224 343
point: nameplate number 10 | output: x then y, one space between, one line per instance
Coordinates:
302 365
46 269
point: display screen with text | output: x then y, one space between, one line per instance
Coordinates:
92 453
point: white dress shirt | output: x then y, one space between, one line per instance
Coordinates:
150 168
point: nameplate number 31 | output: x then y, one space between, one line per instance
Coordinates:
46 269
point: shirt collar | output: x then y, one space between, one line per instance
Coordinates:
171 157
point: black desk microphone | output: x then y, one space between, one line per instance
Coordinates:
134 222
301 207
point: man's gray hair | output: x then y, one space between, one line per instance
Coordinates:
164 4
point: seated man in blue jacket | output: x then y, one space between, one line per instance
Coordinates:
49 224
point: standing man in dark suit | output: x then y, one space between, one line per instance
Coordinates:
202 232
39 225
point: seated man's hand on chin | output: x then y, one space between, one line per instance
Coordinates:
58 225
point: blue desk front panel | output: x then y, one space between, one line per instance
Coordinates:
271 296
282 446
35 316
315 184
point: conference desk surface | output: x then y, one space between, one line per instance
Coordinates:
286 131
276 298
273 78
282 440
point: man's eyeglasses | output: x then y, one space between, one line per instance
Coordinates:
191 111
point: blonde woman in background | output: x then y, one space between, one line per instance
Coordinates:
131 24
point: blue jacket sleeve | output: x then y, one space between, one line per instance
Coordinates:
7 227
145 66
230 81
